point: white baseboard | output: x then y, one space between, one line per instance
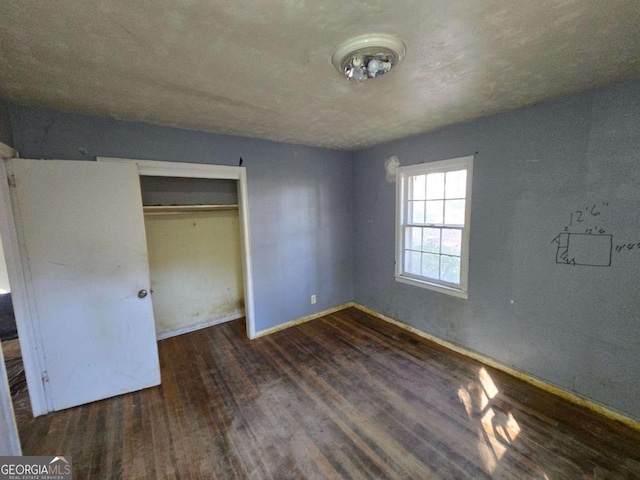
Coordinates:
546 386
198 326
308 318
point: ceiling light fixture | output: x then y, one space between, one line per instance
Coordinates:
368 56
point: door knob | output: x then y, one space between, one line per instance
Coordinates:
142 293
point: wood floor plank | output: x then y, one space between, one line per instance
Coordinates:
346 396
403 409
344 387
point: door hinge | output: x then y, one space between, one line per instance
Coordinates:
45 377
11 180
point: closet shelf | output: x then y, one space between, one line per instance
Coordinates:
178 209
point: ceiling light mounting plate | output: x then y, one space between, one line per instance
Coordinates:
368 56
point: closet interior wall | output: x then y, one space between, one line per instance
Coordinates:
193 239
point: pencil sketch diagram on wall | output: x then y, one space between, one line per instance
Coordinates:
584 240
593 250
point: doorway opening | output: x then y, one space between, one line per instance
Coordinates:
11 347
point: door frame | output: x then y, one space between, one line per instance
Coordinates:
23 306
154 168
9 426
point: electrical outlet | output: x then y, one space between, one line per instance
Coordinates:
313 299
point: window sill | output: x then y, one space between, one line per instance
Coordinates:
432 286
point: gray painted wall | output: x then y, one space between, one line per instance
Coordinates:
299 199
6 135
575 326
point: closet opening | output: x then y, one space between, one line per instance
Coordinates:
194 247
180 186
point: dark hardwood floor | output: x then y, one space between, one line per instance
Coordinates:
345 396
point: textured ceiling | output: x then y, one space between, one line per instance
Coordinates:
263 68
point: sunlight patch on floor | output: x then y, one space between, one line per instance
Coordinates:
497 429
487 383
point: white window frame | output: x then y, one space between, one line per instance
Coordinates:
402 208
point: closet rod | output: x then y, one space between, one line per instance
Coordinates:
178 209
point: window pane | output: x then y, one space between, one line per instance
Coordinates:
434 211
450 271
431 240
414 238
412 262
430 225
454 212
417 212
451 241
435 186
430 267
456 184
417 187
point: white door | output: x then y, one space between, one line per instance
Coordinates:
81 230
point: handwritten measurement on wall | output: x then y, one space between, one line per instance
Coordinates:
585 219
585 240
627 247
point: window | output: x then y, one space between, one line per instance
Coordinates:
432 225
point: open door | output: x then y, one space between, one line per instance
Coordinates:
82 242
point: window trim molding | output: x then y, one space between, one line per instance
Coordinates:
437 166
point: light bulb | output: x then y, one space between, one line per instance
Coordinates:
357 74
374 65
356 62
